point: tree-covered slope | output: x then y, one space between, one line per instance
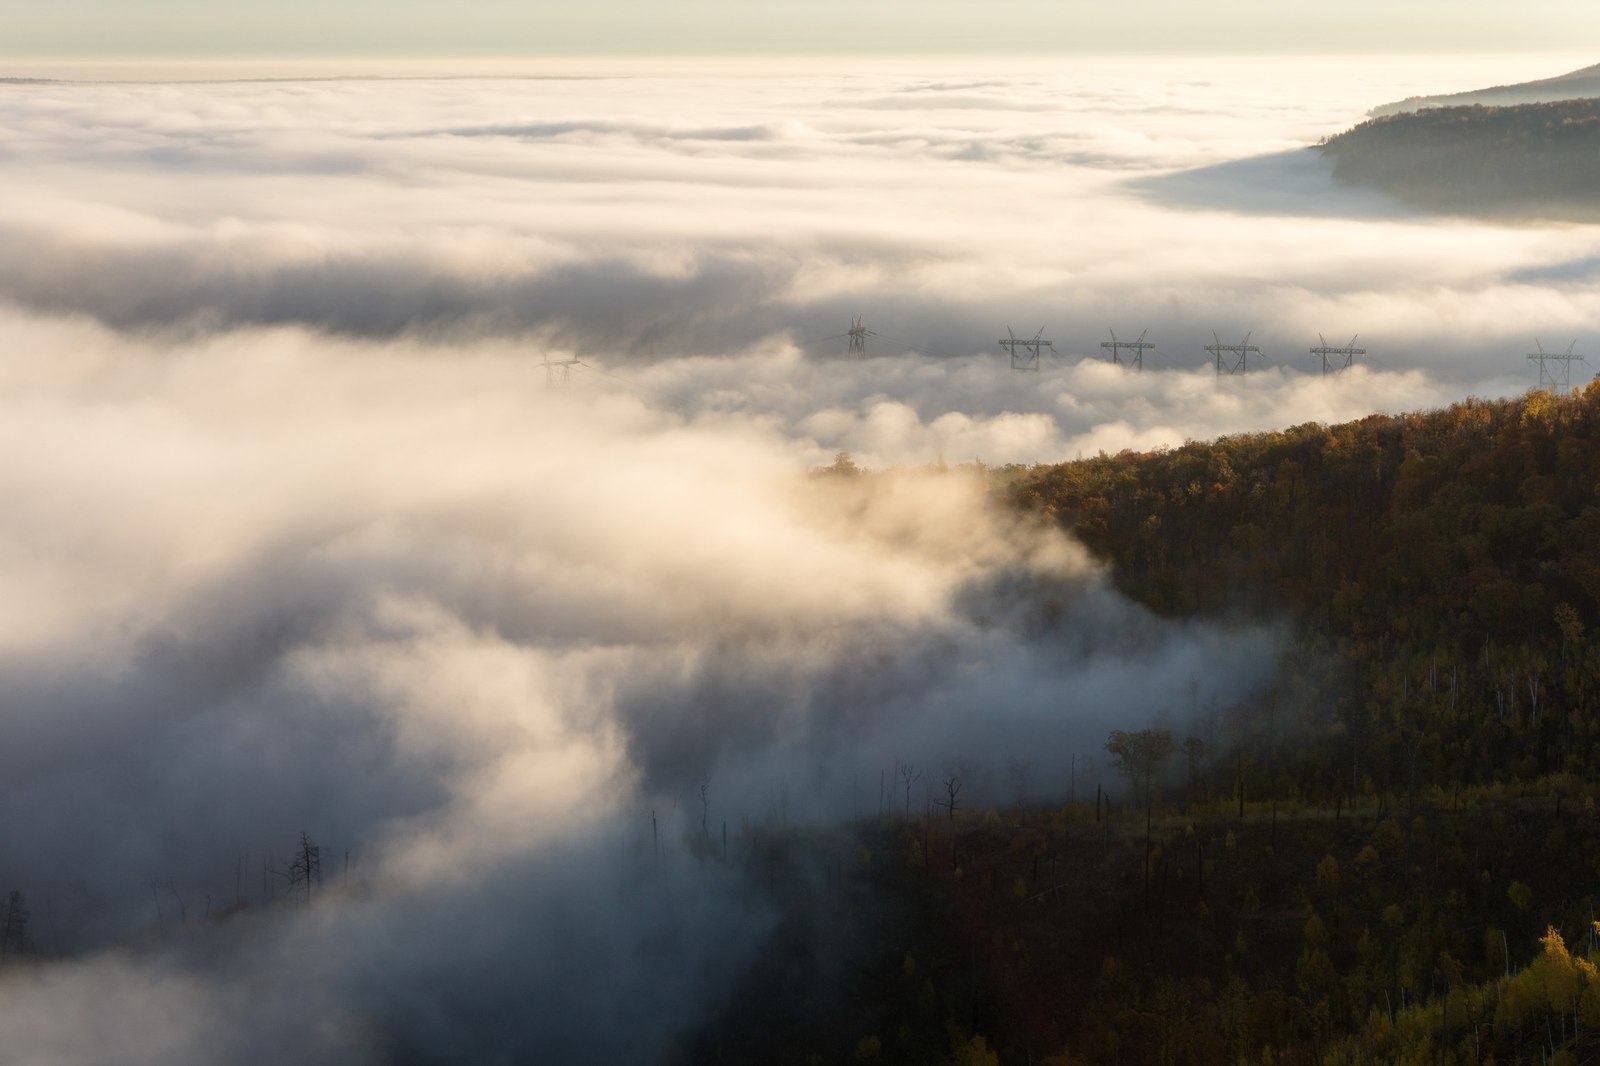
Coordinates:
1467 523
1367 881
1387 857
1448 562
1531 161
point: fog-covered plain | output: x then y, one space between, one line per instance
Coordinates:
298 537
634 217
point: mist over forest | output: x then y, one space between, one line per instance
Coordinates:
462 593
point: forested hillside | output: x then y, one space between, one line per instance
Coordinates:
1389 857
1448 563
1531 161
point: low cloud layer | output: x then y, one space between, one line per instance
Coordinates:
299 537
674 213
481 639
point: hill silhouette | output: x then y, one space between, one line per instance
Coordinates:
1574 85
1526 162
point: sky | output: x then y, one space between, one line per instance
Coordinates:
304 533
369 28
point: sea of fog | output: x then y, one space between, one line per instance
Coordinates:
302 534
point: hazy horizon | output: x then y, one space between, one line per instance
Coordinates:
610 27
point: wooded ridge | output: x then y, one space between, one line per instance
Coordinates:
1530 161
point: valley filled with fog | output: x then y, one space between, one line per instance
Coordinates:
304 535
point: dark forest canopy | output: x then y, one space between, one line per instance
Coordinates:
1464 541
1531 161
1463 524
1389 857
1422 812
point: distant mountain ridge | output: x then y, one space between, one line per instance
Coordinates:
1576 85
1526 153
1524 162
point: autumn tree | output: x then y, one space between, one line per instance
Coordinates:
1139 756
842 466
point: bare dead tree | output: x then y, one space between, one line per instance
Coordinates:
705 807
910 775
952 790
307 865
14 937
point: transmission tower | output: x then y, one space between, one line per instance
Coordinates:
558 374
1348 353
858 335
1240 351
1138 348
1030 361
1552 380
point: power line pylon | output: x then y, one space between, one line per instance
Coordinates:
858 335
1241 351
1030 361
558 374
1348 352
1548 378
1138 348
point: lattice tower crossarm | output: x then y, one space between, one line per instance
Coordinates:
1241 350
558 374
1138 348
1349 352
858 335
1548 380
1032 346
